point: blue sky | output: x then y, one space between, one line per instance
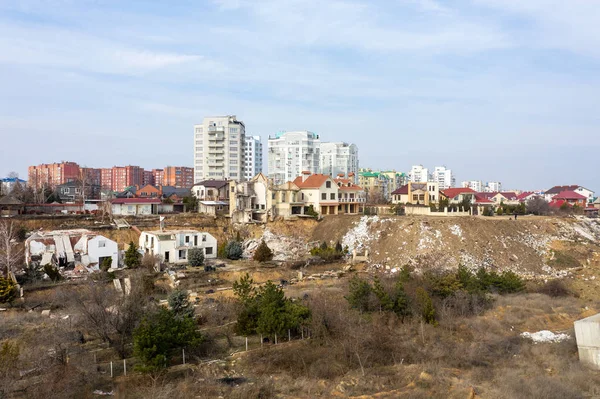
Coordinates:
495 89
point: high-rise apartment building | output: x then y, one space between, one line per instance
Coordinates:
158 177
443 177
126 176
148 178
106 178
253 156
418 174
178 176
475 185
493 187
51 175
291 153
339 158
92 176
219 148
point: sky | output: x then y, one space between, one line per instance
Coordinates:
496 90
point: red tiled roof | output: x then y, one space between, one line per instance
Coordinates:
135 201
509 195
524 195
312 181
453 192
569 195
559 189
401 191
558 203
345 186
479 199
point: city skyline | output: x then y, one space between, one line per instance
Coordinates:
496 90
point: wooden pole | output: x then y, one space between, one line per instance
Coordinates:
111 370
124 366
261 341
275 338
246 344
289 335
302 329
183 353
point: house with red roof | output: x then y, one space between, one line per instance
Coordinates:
319 190
456 195
350 195
415 193
571 198
552 192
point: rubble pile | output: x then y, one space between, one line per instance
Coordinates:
366 230
284 247
545 336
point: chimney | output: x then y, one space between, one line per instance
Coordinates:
305 175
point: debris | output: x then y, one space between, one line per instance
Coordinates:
545 336
46 312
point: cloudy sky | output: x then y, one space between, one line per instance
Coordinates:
495 89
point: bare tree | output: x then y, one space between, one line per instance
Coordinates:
538 206
11 252
13 175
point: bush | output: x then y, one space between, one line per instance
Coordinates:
426 306
132 257
222 251
263 253
554 289
52 272
311 212
196 256
234 250
8 290
327 253
106 264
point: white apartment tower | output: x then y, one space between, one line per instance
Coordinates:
418 174
493 187
253 158
219 148
443 177
339 158
291 153
475 185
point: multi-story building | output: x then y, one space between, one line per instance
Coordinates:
418 174
375 184
219 148
443 177
106 178
291 153
126 176
178 176
493 187
51 175
339 158
148 178
395 180
253 156
158 175
90 176
475 185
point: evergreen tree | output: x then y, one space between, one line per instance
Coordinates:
426 306
132 257
243 289
159 335
263 253
401 302
234 250
272 308
195 256
339 248
385 302
180 304
359 293
8 290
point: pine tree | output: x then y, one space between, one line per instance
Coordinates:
132 257
385 302
243 289
272 317
263 253
359 293
426 306
195 256
234 250
401 302
180 304
8 290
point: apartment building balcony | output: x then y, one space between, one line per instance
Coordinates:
215 129
352 200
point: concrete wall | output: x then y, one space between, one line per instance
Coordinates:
99 247
587 334
425 211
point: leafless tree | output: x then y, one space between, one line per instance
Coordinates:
538 206
108 314
11 251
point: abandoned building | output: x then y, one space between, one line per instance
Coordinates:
71 249
172 245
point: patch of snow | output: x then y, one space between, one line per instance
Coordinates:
545 336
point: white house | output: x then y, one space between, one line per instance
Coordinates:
173 245
135 206
320 191
68 248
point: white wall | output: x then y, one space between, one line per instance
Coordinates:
100 246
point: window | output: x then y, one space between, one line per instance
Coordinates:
203 237
324 196
187 239
208 250
328 184
102 244
332 196
182 254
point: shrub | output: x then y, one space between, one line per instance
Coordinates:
234 250
327 253
132 257
106 264
554 288
52 272
196 256
222 250
263 253
180 304
8 290
442 284
311 212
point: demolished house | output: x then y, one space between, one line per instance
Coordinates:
79 250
